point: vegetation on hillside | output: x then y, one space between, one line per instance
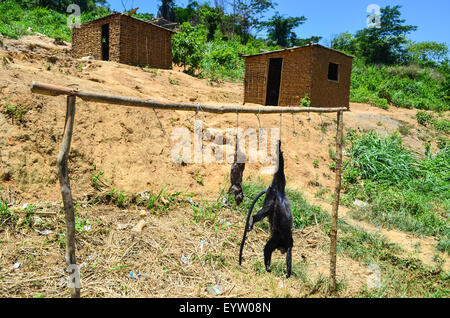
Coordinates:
407 191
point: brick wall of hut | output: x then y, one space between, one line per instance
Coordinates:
327 93
145 44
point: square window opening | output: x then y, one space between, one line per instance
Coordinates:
333 72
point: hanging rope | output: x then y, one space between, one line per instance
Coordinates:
159 121
294 133
258 116
281 124
321 129
199 107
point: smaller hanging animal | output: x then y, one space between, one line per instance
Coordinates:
237 171
277 207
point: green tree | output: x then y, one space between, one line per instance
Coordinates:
386 44
167 10
344 42
428 52
189 45
247 14
188 14
280 29
306 41
211 18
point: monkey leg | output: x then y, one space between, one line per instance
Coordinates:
289 262
268 250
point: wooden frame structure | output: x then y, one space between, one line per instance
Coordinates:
72 94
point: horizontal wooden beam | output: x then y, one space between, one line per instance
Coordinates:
53 90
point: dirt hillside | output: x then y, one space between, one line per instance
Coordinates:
131 148
128 143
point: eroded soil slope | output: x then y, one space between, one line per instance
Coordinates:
129 145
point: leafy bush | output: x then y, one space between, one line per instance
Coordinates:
216 59
4 212
221 57
189 45
427 119
424 118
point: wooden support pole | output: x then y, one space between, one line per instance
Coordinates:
64 183
337 194
52 90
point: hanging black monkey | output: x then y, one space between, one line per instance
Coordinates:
277 208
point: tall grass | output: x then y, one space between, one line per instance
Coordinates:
404 192
382 159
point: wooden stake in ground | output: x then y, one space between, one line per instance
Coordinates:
337 193
64 182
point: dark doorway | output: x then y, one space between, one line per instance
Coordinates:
274 81
105 42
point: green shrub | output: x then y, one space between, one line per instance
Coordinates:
424 118
442 125
188 45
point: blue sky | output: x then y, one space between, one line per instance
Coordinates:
329 17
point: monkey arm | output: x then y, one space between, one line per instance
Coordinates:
264 212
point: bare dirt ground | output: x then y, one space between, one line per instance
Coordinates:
134 153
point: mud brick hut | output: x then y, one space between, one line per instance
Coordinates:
285 77
124 39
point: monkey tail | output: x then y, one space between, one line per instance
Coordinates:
246 223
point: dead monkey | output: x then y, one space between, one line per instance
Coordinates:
237 171
277 208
